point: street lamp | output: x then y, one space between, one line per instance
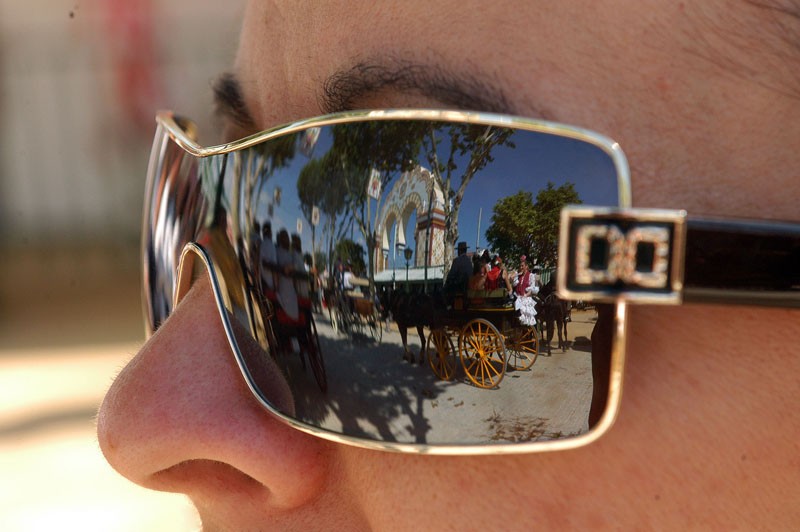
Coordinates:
407 253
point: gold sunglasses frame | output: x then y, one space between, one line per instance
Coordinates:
169 128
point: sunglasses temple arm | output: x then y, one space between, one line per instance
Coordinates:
603 258
742 262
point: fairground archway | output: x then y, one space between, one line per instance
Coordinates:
415 192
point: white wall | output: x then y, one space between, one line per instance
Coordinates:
72 160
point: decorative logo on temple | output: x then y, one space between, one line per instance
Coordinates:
621 254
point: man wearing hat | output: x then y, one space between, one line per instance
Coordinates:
460 272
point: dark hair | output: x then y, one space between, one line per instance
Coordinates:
283 239
477 266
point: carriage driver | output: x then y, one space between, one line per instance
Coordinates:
459 273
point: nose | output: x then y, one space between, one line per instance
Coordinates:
180 418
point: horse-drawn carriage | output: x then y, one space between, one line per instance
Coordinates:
355 311
485 328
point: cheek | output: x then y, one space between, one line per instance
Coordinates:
700 399
442 493
711 365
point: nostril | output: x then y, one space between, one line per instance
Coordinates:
197 475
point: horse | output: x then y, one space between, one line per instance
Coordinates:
553 312
408 310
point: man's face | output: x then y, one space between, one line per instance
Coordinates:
698 95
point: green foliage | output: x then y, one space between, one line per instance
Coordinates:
388 147
337 182
357 150
321 260
313 188
353 253
511 231
520 226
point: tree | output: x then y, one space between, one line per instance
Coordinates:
521 227
358 150
512 226
314 190
471 142
257 164
352 253
262 161
321 260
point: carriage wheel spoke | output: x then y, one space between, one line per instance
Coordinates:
475 346
474 338
483 372
493 351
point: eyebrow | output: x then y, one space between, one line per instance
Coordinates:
342 90
229 102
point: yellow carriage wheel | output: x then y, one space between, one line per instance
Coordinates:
443 358
523 347
483 353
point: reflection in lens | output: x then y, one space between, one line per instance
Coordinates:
401 276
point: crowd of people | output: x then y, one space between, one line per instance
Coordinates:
487 274
284 275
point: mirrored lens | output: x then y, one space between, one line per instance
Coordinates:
399 275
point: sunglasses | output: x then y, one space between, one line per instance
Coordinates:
346 255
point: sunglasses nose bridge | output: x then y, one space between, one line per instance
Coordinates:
195 257
196 260
187 269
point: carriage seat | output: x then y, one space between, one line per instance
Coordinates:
498 298
363 306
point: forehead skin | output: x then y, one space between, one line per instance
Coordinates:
702 98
